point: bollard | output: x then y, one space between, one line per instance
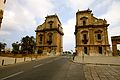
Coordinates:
2 62
31 58
15 60
36 57
24 59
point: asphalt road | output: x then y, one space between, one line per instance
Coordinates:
54 68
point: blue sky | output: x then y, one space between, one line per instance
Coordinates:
21 17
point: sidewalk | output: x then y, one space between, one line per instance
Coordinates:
102 60
100 67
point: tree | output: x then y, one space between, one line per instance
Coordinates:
2 47
28 44
16 47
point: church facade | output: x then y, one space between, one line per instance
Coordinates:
2 3
49 36
91 35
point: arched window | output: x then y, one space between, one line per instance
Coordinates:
50 35
41 38
85 39
84 22
50 24
85 36
84 19
98 34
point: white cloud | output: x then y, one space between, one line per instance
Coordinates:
23 16
112 15
100 5
17 18
80 4
20 17
4 33
40 8
69 38
113 18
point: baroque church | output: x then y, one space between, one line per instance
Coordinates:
91 34
49 36
2 3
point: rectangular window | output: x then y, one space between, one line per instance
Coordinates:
50 38
99 36
40 39
84 36
85 50
85 39
100 50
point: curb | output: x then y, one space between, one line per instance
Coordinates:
97 64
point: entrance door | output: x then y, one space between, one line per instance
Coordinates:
100 50
85 50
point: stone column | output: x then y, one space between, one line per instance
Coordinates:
114 48
91 36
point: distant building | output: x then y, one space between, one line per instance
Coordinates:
2 3
91 34
49 36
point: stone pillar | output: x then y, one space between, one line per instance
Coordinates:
91 36
114 48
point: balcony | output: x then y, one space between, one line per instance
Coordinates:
85 41
49 42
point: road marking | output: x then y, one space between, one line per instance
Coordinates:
37 66
45 63
12 75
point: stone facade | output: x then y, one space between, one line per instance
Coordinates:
2 3
49 36
91 34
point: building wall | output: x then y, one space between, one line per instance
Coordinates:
2 3
91 34
51 26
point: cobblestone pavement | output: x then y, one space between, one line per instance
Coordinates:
101 72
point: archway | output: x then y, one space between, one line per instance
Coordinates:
115 41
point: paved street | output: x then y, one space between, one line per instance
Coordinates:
54 68
101 72
61 68
100 67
